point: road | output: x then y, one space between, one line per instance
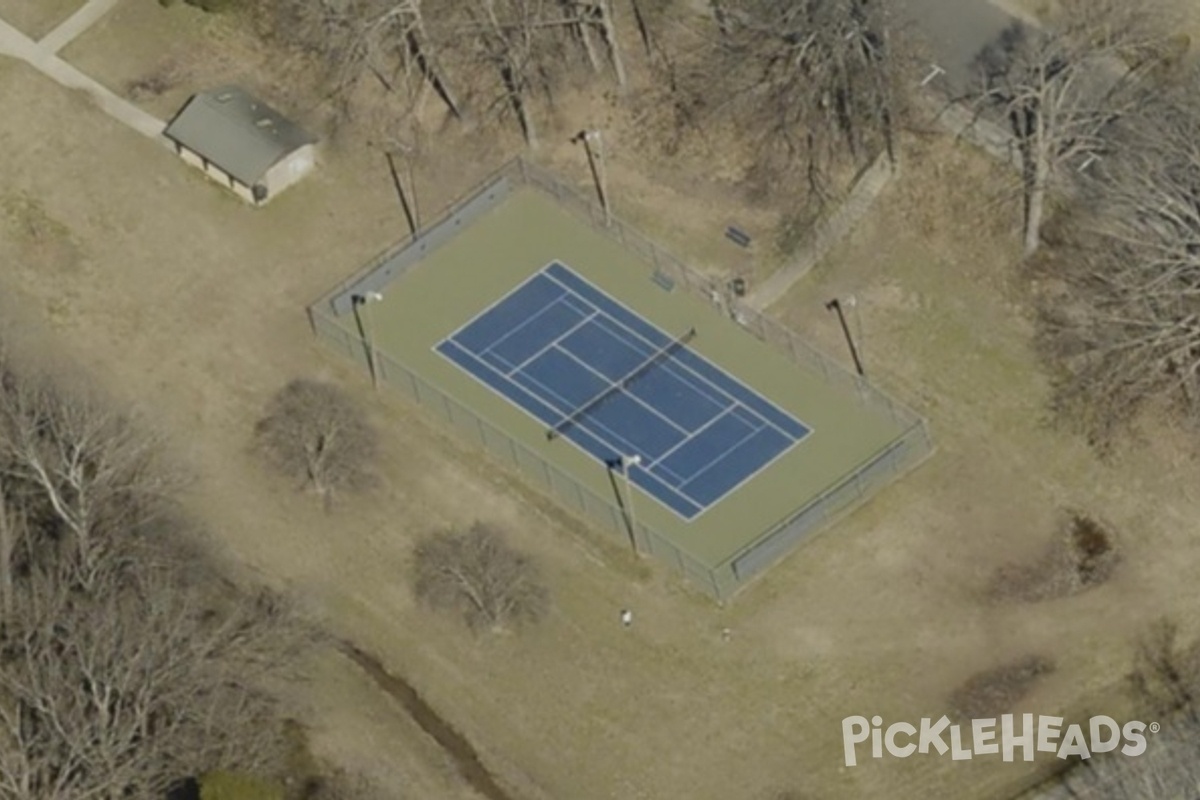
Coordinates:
957 31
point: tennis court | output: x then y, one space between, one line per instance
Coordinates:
566 346
604 379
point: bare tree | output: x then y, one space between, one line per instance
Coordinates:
1120 305
1166 674
477 574
811 85
390 41
1168 769
126 690
1059 88
126 663
11 528
506 56
314 432
92 470
1165 680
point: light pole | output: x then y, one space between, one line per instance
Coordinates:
835 305
859 339
368 331
626 463
594 145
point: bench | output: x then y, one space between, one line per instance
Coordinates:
663 280
737 236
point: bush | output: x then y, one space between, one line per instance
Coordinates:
209 6
997 691
238 786
477 574
314 432
1082 556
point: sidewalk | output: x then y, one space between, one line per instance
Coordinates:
17 45
76 24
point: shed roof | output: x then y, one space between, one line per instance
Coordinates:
237 132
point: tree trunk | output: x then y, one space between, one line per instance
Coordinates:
643 29
428 66
585 39
610 35
516 98
526 119
1035 205
6 551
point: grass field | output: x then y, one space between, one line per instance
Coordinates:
187 303
36 18
497 252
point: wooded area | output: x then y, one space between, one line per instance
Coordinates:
120 643
129 665
799 96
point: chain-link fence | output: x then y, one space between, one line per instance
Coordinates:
719 580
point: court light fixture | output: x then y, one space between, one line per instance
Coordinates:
835 305
365 299
626 463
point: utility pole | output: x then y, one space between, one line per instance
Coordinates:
834 305
593 144
368 333
626 463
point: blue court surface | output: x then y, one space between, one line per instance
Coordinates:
600 376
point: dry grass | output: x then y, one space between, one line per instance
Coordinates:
191 306
159 57
942 320
998 690
36 18
1082 555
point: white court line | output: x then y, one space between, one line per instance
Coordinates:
689 438
622 390
541 423
700 377
733 401
748 478
607 436
548 398
792 440
541 272
715 461
620 329
573 294
564 335
545 309
671 478
756 424
504 362
674 365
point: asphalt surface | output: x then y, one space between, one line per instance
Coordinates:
957 31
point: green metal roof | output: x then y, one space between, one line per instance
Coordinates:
237 132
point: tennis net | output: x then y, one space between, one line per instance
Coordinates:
564 424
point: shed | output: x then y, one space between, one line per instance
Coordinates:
242 143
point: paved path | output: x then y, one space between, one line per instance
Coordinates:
826 235
17 45
76 24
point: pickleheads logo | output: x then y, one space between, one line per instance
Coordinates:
987 737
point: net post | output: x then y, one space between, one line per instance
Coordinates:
567 420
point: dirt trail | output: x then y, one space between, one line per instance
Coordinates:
454 743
